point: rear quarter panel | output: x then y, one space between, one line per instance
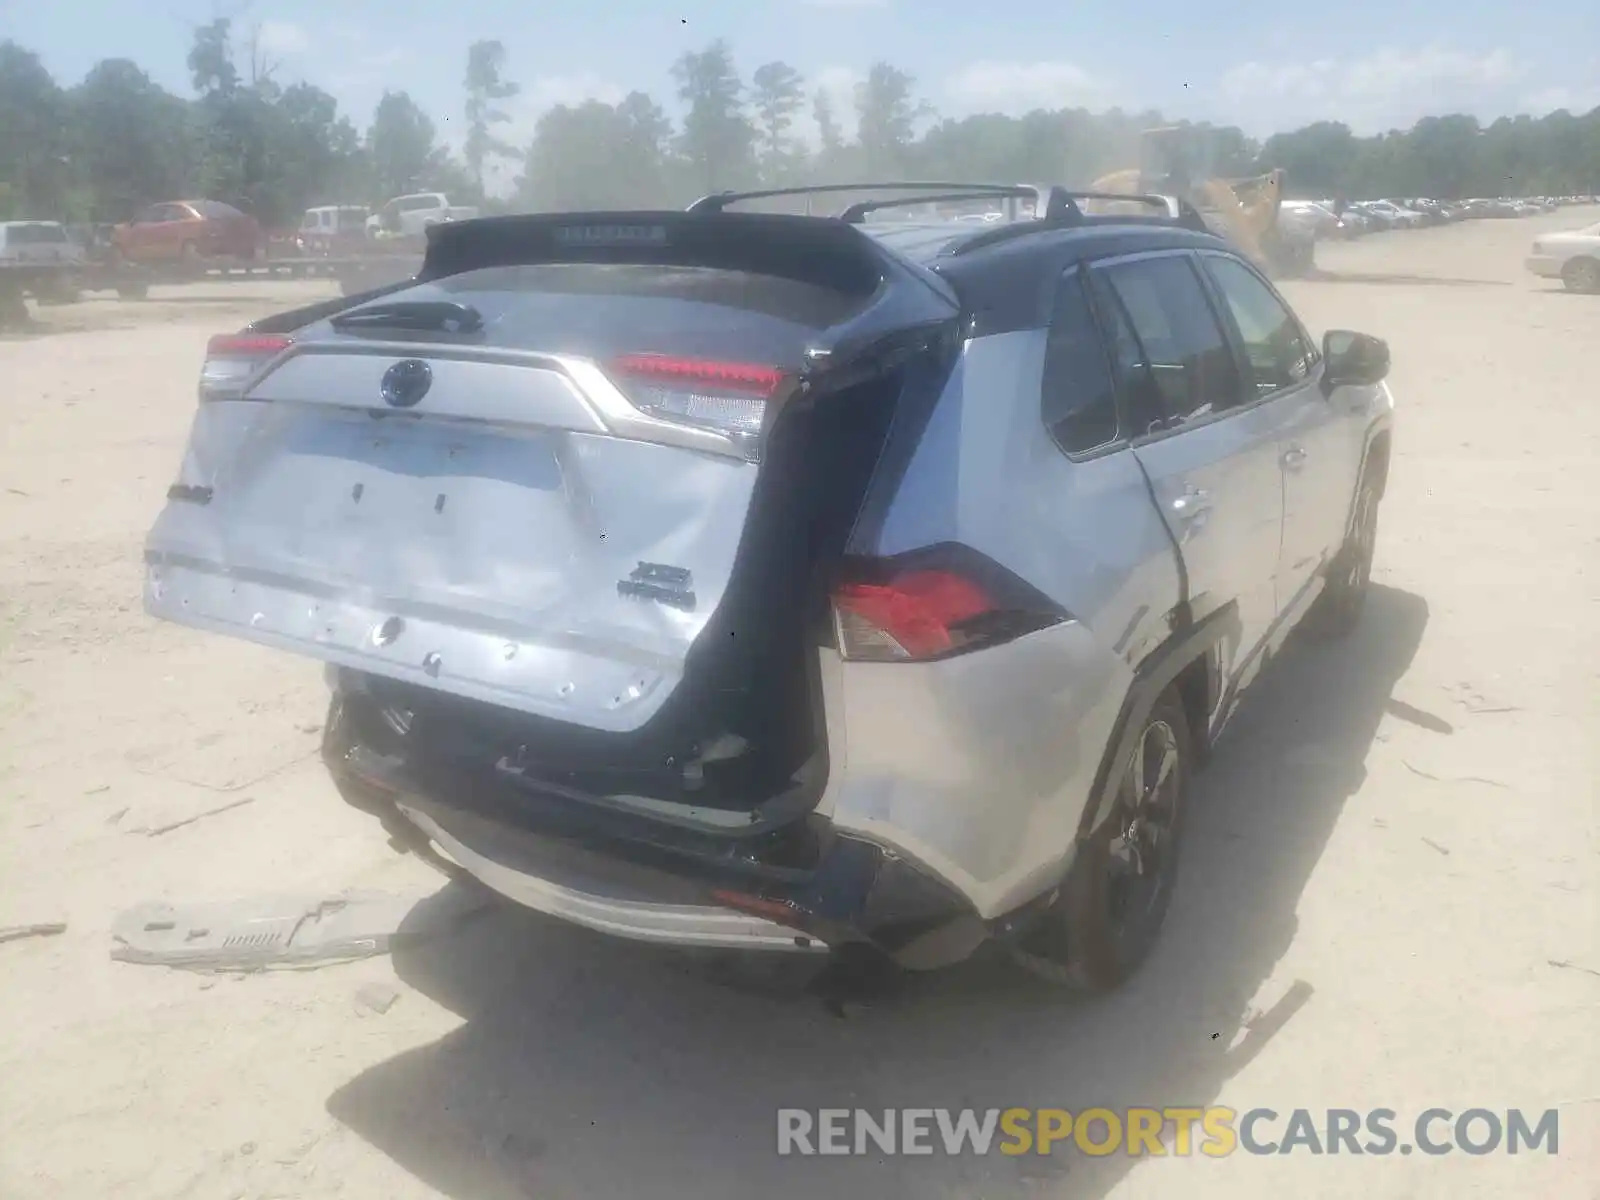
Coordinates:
980 766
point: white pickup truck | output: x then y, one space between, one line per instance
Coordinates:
407 216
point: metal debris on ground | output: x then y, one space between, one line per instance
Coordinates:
15 933
280 931
376 997
158 830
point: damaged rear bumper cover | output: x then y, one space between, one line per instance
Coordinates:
799 888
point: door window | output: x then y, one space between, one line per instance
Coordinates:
1079 402
1182 353
1277 352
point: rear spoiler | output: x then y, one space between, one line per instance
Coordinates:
827 253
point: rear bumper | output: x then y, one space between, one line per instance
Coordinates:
803 887
608 910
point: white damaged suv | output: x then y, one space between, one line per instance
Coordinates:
732 579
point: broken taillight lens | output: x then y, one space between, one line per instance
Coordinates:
234 359
712 394
936 612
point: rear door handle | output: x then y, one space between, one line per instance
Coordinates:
1294 458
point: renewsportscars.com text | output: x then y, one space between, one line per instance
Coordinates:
1157 1132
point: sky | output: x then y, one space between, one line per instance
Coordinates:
1264 65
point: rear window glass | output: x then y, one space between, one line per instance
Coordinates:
34 235
596 310
215 208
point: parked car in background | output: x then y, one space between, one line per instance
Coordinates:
43 245
37 242
1317 220
1353 223
1431 211
332 229
1394 216
407 216
1573 258
1378 220
189 232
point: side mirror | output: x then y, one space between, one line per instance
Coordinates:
1354 359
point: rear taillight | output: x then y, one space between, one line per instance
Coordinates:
234 359
930 612
727 396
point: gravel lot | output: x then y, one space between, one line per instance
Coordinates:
1389 898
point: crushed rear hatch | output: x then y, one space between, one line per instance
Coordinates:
582 460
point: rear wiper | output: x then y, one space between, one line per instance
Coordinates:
421 316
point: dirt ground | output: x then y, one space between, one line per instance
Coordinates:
1389 898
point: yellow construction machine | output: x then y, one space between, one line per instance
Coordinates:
1177 161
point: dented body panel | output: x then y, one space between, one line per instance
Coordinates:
488 556
587 627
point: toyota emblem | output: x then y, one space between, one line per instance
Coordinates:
406 383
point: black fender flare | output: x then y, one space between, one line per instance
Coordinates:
1378 432
1161 667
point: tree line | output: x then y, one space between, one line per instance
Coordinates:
98 150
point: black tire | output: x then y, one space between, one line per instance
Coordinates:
133 291
1582 275
1109 913
1339 608
13 308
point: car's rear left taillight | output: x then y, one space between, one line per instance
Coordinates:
936 609
730 397
233 360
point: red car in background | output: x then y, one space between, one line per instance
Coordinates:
188 231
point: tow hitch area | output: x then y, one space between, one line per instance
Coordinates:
793 885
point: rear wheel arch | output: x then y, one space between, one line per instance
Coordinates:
1375 468
1199 688
1186 661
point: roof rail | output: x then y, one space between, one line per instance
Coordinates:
1044 196
1054 206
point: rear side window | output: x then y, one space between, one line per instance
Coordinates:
1277 352
215 208
1079 401
1184 353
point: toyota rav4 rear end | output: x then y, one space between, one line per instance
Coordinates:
576 522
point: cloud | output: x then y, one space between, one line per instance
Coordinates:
283 37
1576 100
1019 87
361 75
1387 89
